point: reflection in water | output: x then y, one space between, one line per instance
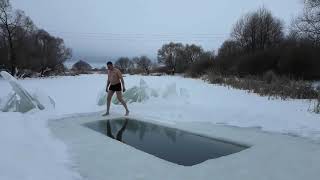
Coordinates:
143 129
170 144
172 135
120 132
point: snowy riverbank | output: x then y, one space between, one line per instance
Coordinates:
30 151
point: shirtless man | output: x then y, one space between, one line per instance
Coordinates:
115 80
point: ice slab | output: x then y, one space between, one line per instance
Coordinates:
171 91
142 93
138 94
21 100
102 98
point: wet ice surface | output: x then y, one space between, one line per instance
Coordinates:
173 145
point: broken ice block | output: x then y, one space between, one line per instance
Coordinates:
21 100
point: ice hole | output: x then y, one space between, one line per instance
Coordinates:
173 145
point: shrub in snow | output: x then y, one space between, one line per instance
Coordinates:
271 85
200 67
317 105
270 76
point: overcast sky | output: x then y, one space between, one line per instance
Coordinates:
113 28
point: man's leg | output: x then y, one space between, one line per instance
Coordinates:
119 96
109 98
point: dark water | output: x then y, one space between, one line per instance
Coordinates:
170 144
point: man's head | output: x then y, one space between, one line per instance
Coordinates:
110 65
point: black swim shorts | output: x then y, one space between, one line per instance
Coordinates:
115 87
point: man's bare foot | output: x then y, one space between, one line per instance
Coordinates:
127 113
106 114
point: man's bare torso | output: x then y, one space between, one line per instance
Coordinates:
114 76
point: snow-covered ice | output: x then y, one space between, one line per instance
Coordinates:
31 151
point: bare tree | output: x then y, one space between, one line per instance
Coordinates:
171 55
143 63
23 46
229 48
258 30
308 24
44 40
62 53
3 51
135 61
193 53
208 55
11 21
52 52
124 64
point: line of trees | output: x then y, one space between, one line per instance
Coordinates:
24 46
141 64
180 58
258 44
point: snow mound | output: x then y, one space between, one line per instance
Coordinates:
20 99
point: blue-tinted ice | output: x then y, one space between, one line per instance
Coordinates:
20 99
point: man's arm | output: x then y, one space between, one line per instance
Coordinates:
122 81
108 83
